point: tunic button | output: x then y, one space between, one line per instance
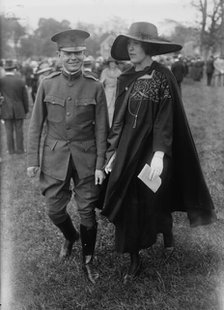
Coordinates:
69 98
126 88
68 113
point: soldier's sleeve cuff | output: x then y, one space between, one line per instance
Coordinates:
100 163
32 162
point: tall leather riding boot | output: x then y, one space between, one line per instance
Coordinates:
70 234
134 268
88 239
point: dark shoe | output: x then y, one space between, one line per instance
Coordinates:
134 268
168 239
90 271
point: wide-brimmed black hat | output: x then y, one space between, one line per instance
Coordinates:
143 32
72 40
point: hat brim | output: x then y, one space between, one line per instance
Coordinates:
73 49
158 47
9 67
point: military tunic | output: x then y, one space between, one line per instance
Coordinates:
74 109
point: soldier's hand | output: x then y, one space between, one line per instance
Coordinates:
110 164
32 171
99 177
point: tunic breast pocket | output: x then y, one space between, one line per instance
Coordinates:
85 109
55 108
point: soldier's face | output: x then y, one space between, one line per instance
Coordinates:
71 61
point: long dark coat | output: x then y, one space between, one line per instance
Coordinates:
184 187
16 102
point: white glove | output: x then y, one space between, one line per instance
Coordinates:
32 171
156 167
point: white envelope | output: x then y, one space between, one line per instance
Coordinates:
144 176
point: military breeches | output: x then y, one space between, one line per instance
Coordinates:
58 193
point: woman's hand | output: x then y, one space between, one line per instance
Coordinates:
156 165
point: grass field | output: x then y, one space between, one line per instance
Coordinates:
193 279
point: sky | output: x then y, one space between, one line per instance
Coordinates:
101 11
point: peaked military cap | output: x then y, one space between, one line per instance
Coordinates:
72 40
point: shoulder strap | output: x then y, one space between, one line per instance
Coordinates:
90 76
53 74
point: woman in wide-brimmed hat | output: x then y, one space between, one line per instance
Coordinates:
150 127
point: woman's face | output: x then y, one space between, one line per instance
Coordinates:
136 52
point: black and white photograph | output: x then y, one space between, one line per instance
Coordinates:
112 154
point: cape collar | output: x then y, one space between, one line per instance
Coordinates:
129 76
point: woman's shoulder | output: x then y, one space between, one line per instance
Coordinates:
162 69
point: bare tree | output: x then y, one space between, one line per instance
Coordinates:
211 25
222 28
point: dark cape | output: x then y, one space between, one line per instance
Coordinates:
189 192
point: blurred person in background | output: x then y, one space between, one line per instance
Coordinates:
219 70
88 66
124 65
99 66
43 70
197 69
2 70
72 106
109 79
150 127
210 69
14 107
178 69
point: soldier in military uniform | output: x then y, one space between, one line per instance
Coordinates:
73 106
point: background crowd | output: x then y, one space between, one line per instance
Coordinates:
32 71
193 67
